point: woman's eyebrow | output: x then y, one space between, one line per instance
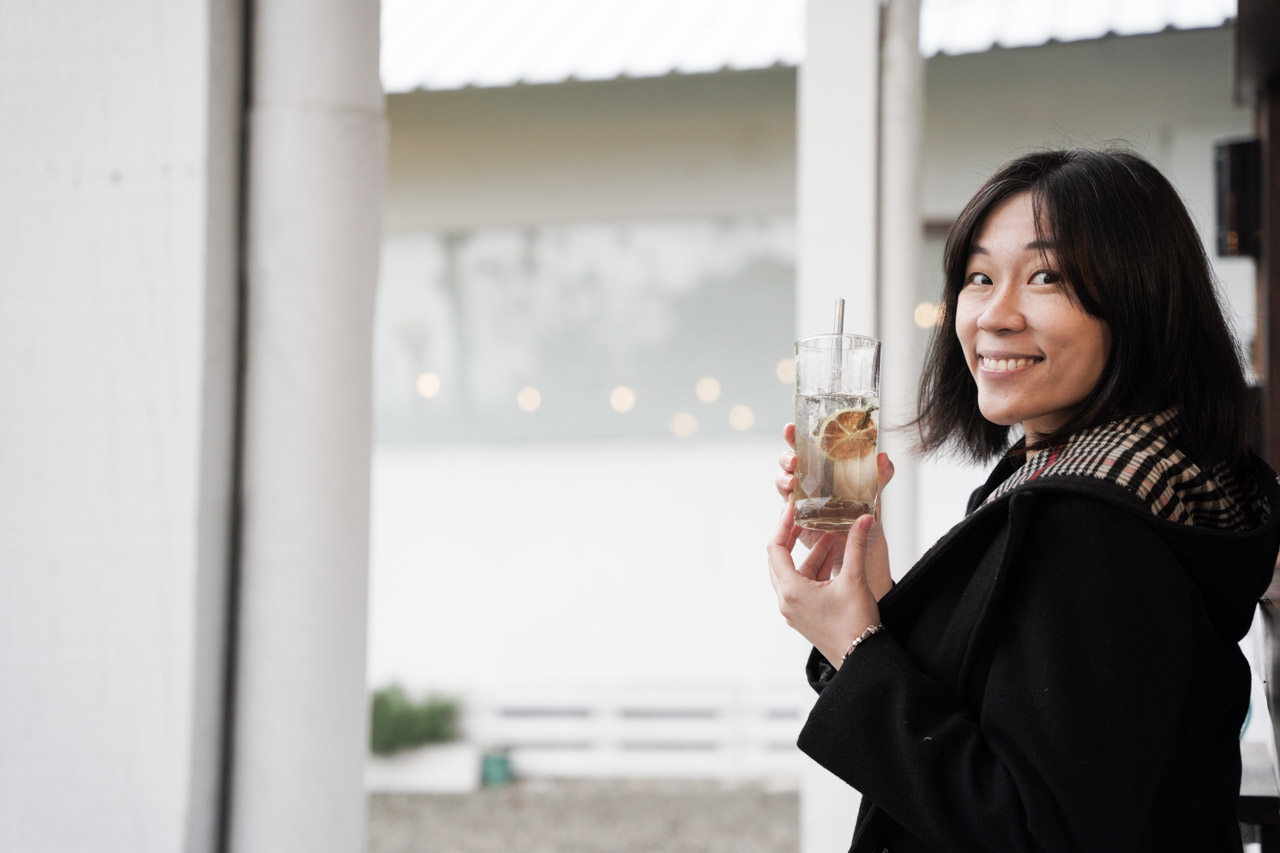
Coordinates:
1033 246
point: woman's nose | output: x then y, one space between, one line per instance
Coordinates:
1003 311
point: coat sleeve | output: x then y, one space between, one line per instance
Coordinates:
1093 649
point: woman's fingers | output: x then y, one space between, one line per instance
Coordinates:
855 550
784 536
809 538
817 566
884 470
883 474
782 569
831 566
786 482
779 549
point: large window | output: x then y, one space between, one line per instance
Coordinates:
678 327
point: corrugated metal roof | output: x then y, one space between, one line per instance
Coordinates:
449 44
971 26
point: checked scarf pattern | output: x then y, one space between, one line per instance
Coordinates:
1138 453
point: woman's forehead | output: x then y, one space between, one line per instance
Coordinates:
1013 224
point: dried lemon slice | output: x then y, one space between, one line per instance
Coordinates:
848 434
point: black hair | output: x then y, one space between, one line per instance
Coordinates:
1130 256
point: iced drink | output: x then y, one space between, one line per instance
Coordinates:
835 459
837 429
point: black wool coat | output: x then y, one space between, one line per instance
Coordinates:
1060 672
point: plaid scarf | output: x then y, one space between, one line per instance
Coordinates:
1138 454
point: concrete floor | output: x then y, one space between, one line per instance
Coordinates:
588 817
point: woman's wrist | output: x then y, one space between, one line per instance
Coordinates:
871 631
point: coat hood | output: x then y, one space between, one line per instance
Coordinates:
1231 569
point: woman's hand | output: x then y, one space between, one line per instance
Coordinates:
786 485
828 611
878 561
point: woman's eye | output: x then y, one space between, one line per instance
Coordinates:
1046 277
977 278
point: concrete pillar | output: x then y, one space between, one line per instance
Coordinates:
118 171
901 120
316 155
838 114
836 152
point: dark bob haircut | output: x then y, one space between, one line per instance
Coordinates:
1129 255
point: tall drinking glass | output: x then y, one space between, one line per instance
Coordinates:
837 429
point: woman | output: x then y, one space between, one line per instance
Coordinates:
1061 670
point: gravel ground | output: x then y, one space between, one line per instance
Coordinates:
588 817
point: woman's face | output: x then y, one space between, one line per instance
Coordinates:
1033 351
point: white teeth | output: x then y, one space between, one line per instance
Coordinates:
1003 364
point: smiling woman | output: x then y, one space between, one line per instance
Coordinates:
1062 670
1113 239
1034 352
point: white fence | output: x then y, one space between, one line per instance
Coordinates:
730 735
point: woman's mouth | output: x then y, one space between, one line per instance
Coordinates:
1003 365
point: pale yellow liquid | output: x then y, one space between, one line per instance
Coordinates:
831 494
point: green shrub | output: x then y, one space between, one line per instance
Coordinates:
397 722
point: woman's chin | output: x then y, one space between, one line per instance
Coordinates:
999 417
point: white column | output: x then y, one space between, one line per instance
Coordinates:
901 118
117 368
838 240
836 151
316 158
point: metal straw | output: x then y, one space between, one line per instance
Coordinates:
837 352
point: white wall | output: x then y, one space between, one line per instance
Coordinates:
607 565
115 371
631 149
985 108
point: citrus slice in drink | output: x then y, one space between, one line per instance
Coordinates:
847 435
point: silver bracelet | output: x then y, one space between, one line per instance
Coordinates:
861 638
